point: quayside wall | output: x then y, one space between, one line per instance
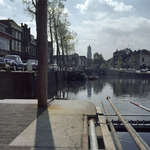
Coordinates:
21 84
126 73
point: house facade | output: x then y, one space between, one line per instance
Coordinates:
73 61
19 40
5 39
131 59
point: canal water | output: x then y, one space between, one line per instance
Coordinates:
121 90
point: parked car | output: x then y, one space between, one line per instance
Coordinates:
15 62
3 64
54 67
143 71
34 64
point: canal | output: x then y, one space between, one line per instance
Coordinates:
121 90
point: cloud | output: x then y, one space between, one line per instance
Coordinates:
124 25
67 11
108 34
1 2
100 8
2 18
4 6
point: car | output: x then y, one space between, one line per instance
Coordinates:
15 62
34 64
3 64
143 71
54 67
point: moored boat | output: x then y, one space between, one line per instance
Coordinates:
93 77
76 76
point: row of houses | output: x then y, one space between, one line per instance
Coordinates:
16 40
73 61
127 58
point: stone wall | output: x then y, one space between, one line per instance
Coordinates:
24 84
126 73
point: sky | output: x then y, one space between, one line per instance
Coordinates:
105 25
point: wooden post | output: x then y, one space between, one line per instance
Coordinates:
42 53
133 135
85 142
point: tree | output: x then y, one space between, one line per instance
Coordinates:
59 30
111 63
58 26
130 62
120 62
98 60
103 66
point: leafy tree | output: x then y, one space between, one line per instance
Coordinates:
120 62
98 60
57 23
103 66
111 63
130 62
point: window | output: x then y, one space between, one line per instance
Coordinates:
16 45
13 33
19 46
2 28
143 59
4 43
16 34
19 36
13 45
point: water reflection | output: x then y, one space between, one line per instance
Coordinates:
122 90
133 87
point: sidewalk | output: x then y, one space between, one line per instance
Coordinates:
23 126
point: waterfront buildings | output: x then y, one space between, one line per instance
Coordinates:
5 39
16 40
72 61
127 58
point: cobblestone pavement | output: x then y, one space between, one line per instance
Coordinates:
14 118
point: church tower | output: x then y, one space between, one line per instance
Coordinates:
89 54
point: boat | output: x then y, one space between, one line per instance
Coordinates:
93 76
76 76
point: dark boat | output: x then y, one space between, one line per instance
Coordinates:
76 76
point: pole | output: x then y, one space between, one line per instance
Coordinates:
145 144
113 131
93 136
141 106
42 53
85 141
133 135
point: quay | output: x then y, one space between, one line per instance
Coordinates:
60 126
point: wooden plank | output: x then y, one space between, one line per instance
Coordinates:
85 143
108 142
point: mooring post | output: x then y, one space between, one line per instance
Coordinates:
42 53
